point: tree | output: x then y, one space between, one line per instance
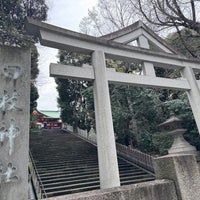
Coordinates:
136 114
108 16
33 97
180 105
183 17
71 99
171 13
177 14
12 32
34 73
13 14
138 111
191 45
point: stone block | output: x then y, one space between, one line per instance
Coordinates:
153 190
183 170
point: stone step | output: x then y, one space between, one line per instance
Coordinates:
77 175
69 175
67 164
87 188
61 163
79 180
72 186
138 180
73 166
83 170
71 191
53 162
69 178
95 178
71 171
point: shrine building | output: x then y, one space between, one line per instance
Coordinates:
48 119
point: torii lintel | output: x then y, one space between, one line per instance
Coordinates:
53 36
87 73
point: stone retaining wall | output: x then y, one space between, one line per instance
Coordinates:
153 190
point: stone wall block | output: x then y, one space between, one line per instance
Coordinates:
183 170
152 190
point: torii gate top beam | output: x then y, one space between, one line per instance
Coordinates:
60 38
133 31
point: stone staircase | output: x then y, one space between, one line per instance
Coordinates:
66 164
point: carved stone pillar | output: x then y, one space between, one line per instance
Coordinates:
14 122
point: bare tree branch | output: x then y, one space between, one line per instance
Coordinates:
180 13
193 10
171 13
184 43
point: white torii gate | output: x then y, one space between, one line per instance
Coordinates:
100 48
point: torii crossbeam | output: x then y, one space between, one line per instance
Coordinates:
100 49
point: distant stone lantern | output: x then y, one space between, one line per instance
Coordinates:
180 145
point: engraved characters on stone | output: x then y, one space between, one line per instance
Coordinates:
8 102
12 133
3 132
12 73
8 176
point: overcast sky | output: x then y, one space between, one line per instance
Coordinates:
66 14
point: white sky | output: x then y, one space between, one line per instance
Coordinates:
66 14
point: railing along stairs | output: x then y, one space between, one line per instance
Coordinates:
142 159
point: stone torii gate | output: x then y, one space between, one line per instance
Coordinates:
117 48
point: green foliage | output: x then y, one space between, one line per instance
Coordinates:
182 110
34 73
34 62
161 142
186 42
74 96
33 97
33 120
33 105
144 141
88 114
13 14
70 99
136 113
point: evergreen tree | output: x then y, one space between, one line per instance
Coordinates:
71 99
136 111
13 14
188 44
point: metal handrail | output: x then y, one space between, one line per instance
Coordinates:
140 158
43 194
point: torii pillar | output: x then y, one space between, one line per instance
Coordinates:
107 156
